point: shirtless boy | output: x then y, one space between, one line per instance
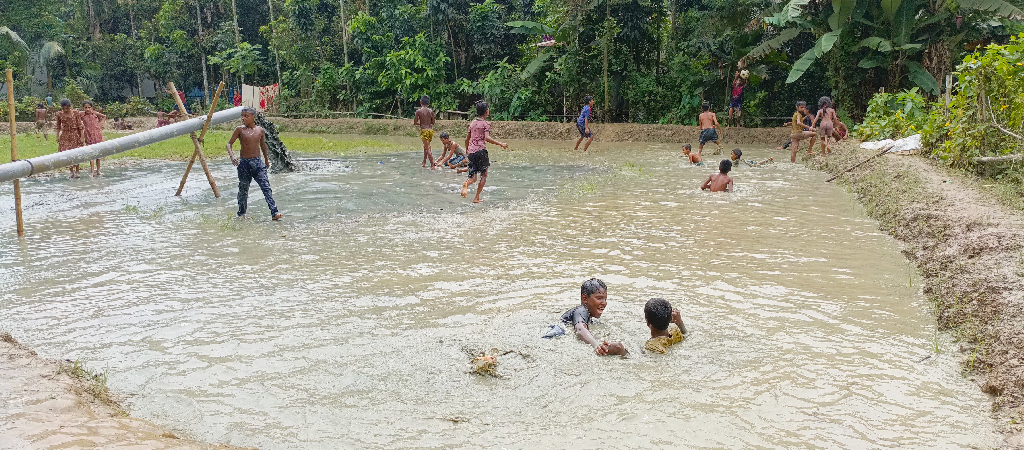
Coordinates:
721 181
425 120
708 126
250 166
41 114
694 158
453 156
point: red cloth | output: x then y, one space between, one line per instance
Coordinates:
238 99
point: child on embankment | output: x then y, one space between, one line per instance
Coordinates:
92 122
69 132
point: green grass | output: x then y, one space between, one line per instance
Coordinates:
180 148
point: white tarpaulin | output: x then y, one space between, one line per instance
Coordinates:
259 97
907 144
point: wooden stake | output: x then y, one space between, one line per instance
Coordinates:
14 151
213 107
198 147
884 151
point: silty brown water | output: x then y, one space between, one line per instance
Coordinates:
352 323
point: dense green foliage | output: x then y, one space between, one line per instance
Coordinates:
643 60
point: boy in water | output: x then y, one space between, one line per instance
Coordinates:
583 123
721 181
453 155
593 300
708 126
801 130
739 84
476 144
665 323
249 166
41 114
424 118
92 121
694 158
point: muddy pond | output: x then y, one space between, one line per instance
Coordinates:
351 323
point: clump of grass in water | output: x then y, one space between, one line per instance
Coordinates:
632 168
94 383
579 187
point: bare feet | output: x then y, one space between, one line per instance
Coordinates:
278 216
477 200
465 190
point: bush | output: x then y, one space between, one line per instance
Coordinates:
137 106
893 116
74 93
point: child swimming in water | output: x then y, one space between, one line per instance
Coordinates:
721 181
665 323
694 157
593 300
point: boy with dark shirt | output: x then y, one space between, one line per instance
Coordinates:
593 300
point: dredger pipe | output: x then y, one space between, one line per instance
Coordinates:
28 167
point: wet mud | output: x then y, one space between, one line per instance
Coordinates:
970 252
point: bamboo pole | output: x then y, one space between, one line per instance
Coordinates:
14 151
195 142
884 151
206 125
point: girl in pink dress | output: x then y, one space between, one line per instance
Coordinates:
92 121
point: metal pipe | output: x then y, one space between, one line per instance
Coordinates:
28 167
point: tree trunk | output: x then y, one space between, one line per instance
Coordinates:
277 57
234 13
451 38
206 81
607 40
344 32
94 27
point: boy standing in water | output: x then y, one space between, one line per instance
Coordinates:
69 132
92 121
593 300
708 124
721 181
41 120
249 166
476 144
583 123
665 323
425 120
801 130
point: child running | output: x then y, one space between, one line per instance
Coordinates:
583 123
249 166
694 158
476 144
93 121
424 118
801 131
828 118
69 132
453 156
593 301
721 181
665 323
41 119
708 126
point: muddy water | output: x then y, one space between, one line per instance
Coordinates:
351 324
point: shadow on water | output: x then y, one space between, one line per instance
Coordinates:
352 323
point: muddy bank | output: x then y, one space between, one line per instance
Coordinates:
613 132
970 252
52 404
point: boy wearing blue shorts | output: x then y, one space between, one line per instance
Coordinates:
708 129
453 155
583 123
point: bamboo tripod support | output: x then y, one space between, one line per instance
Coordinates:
14 151
197 142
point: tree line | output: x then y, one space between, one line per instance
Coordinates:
646 61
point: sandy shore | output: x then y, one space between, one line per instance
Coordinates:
45 406
969 250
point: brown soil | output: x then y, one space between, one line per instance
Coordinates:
43 406
970 252
613 132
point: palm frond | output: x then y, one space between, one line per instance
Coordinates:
4 31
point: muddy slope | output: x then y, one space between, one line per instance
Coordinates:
44 406
970 251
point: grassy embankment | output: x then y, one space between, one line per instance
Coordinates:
180 148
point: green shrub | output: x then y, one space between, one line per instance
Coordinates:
893 116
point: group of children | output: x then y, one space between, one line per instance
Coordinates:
74 129
473 159
831 129
664 321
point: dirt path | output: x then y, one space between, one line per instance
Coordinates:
44 407
970 252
